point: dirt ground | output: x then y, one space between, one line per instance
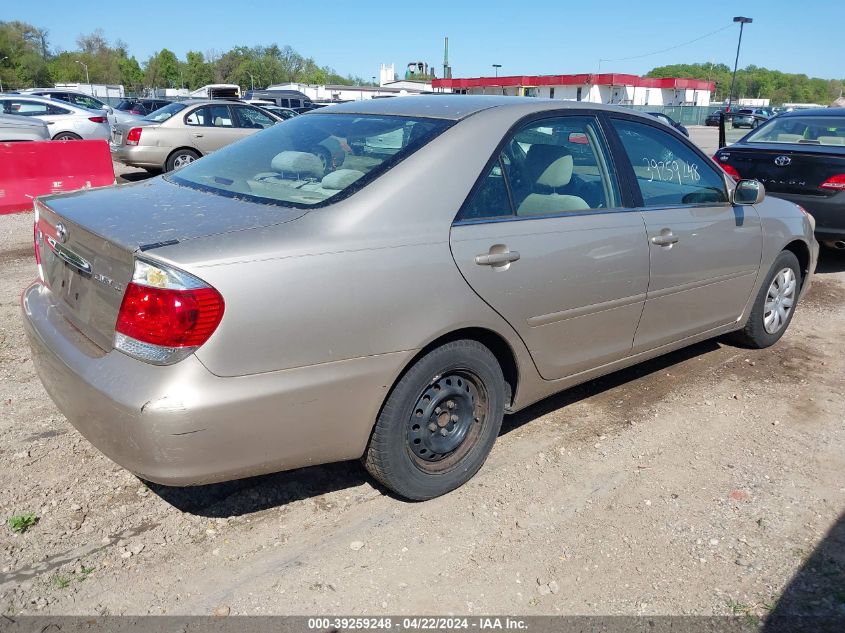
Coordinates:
708 481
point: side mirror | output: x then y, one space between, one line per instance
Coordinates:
749 192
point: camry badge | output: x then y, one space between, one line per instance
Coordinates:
61 233
783 161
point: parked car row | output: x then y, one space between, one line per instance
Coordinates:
450 261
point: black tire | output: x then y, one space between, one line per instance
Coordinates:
67 136
451 399
755 334
180 158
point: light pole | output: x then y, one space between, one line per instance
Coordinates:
252 79
742 22
1 78
85 66
496 68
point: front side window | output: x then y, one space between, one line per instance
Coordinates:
549 167
252 118
812 130
668 173
310 159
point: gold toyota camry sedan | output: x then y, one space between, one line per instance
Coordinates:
462 257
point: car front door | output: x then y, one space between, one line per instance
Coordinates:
211 127
545 240
704 252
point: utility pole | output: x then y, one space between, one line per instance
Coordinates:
742 22
85 66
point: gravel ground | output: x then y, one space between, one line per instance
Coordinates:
708 481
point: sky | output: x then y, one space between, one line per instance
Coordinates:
525 37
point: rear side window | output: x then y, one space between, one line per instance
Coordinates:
210 116
667 172
548 167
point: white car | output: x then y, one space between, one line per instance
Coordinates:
66 122
82 100
18 128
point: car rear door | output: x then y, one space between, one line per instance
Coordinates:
211 127
545 239
704 252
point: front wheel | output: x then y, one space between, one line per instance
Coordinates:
775 304
439 422
67 136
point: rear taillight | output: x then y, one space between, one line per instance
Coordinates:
834 183
166 314
730 171
97 119
133 137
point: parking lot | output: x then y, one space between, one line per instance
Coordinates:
707 481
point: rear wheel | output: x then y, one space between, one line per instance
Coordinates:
67 136
774 304
440 421
180 158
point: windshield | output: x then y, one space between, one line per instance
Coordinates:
813 130
162 114
311 158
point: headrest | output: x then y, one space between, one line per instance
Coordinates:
301 163
341 179
558 174
541 159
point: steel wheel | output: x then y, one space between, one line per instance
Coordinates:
439 421
447 419
780 299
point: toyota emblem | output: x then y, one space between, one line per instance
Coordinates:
783 161
61 233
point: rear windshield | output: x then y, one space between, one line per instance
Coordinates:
310 159
812 130
125 105
162 114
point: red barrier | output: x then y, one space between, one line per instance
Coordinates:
36 168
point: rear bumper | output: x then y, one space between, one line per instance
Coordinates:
829 213
139 155
182 425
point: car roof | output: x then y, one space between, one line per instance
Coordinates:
815 112
456 107
46 100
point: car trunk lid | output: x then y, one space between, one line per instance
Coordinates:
787 169
88 241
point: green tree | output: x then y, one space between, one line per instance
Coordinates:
198 72
162 70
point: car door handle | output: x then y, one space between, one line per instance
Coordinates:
497 259
665 239
198 135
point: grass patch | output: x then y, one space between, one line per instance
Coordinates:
61 582
20 523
